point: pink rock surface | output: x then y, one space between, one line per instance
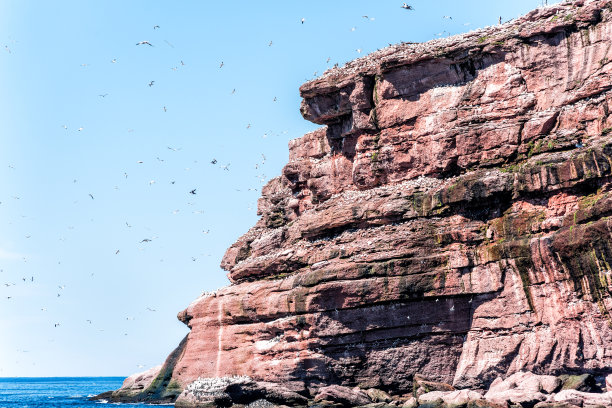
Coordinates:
443 223
139 382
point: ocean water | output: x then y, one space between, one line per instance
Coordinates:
60 392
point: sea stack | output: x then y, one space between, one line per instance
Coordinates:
446 229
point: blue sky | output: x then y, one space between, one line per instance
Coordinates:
78 117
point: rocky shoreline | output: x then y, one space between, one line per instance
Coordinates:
520 390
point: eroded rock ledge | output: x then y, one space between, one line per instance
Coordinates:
444 223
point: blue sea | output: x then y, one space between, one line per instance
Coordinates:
60 392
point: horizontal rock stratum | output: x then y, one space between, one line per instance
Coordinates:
452 220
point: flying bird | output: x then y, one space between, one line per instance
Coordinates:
213 161
151 310
92 197
221 65
151 83
144 43
114 60
448 17
193 191
155 27
145 240
103 95
407 7
303 19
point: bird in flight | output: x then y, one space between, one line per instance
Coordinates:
193 191
114 60
151 310
144 43
407 7
103 95
303 19
151 83
155 27
213 161
221 65
92 197
448 17
145 240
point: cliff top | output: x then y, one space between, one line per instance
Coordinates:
541 21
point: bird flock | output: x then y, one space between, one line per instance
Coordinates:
189 194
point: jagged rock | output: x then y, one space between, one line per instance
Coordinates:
443 223
349 397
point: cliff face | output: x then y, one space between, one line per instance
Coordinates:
443 223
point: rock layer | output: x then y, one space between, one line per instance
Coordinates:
443 223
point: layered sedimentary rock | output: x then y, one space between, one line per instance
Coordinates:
450 220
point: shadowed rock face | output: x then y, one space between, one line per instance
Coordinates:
443 223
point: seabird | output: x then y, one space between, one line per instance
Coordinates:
193 191
151 83
144 43
407 7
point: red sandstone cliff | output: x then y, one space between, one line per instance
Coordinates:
443 223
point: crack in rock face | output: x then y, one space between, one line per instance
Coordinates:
451 220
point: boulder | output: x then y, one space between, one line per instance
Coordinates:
584 383
524 398
609 382
583 398
377 395
345 396
422 386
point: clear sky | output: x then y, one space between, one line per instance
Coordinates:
94 160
